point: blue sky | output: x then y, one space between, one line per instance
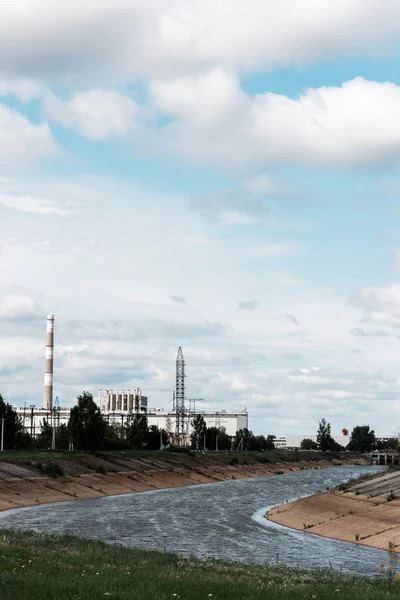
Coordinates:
223 177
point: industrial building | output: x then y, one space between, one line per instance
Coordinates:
118 405
122 401
32 418
294 441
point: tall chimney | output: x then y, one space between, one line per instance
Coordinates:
48 370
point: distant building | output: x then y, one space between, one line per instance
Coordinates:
294 441
117 406
124 401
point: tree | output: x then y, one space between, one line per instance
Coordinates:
362 439
199 431
45 436
154 436
308 444
270 444
137 430
211 437
86 424
392 444
246 436
114 438
324 438
13 427
224 440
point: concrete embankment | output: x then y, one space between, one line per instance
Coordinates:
90 476
366 513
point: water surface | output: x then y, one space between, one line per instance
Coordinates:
220 520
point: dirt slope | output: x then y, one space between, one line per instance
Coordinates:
367 513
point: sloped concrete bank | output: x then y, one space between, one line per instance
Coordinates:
90 476
367 513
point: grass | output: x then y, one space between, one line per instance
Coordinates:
36 566
269 456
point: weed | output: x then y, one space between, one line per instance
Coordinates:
391 569
52 469
357 537
390 496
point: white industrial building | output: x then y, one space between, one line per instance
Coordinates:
294 441
231 421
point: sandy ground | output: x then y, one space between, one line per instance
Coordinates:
363 514
21 484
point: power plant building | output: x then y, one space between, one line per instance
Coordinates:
32 418
124 401
117 406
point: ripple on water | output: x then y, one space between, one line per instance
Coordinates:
221 520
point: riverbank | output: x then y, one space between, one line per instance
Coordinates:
366 513
42 477
36 566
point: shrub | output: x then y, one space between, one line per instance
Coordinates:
52 469
181 450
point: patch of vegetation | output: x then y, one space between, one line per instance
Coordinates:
49 469
36 566
352 482
390 496
181 450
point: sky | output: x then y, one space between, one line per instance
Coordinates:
221 176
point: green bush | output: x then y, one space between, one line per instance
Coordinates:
52 469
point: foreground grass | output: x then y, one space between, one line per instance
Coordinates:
36 566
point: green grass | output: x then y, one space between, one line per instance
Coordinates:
37 567
269 456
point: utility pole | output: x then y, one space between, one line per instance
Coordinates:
204 442
161 443
216 443
32 407
2 434
53 437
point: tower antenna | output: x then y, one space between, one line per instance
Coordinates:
180 408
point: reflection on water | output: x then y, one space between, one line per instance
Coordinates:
220 520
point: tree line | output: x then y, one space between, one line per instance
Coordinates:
216 438
362 439
88 430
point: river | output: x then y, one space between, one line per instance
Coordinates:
219 520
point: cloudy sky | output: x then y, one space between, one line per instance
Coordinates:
221 175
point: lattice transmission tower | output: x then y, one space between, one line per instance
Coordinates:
181 418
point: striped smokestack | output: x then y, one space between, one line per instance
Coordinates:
48 371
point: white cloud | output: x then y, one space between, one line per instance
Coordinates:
380 305
23 88
263 184
15 303
96 114
40 206
355 124
248 304
129 38
22 142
